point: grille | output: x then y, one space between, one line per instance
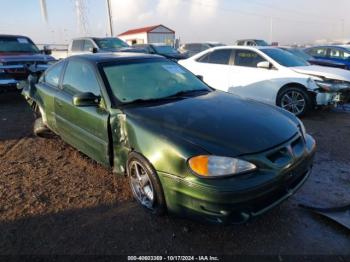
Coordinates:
290 152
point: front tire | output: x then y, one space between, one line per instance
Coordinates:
145 185
295 100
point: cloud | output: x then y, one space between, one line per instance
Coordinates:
201 11
131 10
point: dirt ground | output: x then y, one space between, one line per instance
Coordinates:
53 200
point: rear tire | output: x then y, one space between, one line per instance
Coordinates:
295 100
40 128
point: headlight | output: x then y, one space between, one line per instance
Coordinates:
217 166
325 86
332 86
301 128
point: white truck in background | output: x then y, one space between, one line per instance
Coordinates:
85 45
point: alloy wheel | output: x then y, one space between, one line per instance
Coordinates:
141 185
293 101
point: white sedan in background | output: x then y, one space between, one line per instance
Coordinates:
272 76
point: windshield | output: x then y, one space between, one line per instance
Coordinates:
299 53
215 44
261 43
284 58
150 80
17 44
164 49
110 43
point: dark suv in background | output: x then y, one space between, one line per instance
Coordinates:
17 54
161 49
190 49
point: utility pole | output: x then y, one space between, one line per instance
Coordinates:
43 10
110 18
271 29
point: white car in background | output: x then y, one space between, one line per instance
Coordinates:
272 76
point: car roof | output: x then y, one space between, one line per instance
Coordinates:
329 46
92 37
243 47
5 35
111 57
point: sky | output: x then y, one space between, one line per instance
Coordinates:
283 21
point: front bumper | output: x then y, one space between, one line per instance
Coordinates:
237 199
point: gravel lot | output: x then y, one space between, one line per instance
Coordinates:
54 200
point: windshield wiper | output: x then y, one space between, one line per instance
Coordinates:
177 95
188 92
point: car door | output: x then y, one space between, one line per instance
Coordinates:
85 128
246 79
214 67
47 88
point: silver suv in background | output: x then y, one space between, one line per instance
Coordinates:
190 49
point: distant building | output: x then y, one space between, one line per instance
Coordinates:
149 35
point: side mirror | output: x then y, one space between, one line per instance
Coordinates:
46 50
93 50
264 65
86 99
200 77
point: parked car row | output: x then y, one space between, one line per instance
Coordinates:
186 146
271 75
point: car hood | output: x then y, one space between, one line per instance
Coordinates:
324 72
24 57
219 123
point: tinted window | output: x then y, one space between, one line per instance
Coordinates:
221 56
247 58
52 76
87 45
110 43
79 78
339 54
164 49
284 58
320 51
77 45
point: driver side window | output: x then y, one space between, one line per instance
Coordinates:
247 58
80 78
52 75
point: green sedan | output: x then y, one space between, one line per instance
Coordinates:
185 148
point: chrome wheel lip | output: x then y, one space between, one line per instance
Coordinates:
293 101
141 184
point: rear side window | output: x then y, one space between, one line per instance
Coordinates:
247 58
320 52
221 57
77 45
80 78
52 76
339 54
